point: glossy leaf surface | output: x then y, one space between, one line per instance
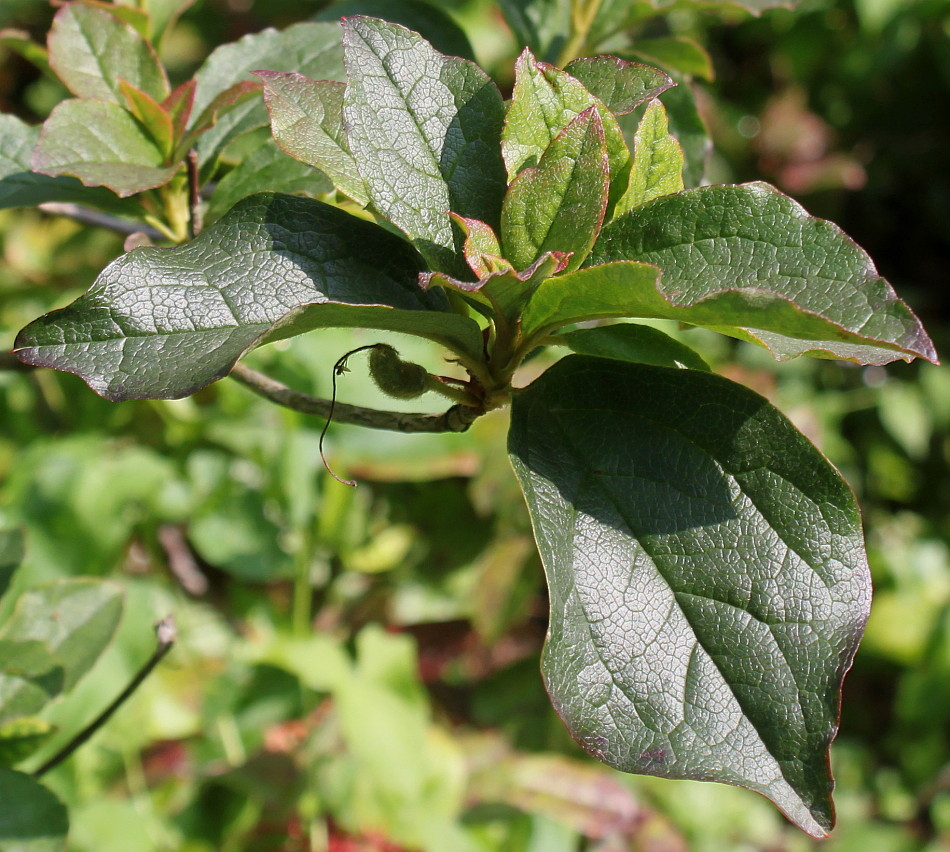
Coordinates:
707 576
753 260
424 131
161 323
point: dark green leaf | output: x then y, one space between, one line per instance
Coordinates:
308 48
559 204
427 19
306 119
707 577
162 323
20 186
751 261
74 620
102 145
91 50
32 819
11 555
621 85
657 161
424 130
541 25
30 678
680 54
21 738
268 169
640 344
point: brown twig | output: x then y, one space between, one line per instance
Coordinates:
457 419
88 216
196 217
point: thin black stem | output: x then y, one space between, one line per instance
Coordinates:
196 217
89 216
457 419
165 633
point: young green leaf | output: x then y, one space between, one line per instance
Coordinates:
687 126
306 118
11 555
657 161
559 204
162 323
544 101
32 819
308 48
101 144
424 131
751 260
707 577
627 341
481 248
91 50
266 169
156 120
621 85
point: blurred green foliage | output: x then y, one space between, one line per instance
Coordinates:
414 717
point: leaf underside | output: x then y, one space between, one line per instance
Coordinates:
162 323
707 577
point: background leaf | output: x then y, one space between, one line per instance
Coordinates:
231 286
20 186
668 655
434 24
267 168
91 50
32 819
312 49
12 545
753 249
101 144
424 131
541 25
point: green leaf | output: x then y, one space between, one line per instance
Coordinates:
481 248
707 577
74 619
21 738
12 543
559 205
266 169
91 50
306 119
32 819
21 43
162 323
20 186
540 25
152 116
427 19
682 55
657 161
30 678
163 14
102 145
424 131
308 48
640 344
750 261
622 86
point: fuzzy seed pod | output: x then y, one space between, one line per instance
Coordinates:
395 377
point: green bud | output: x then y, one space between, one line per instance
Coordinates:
395 377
